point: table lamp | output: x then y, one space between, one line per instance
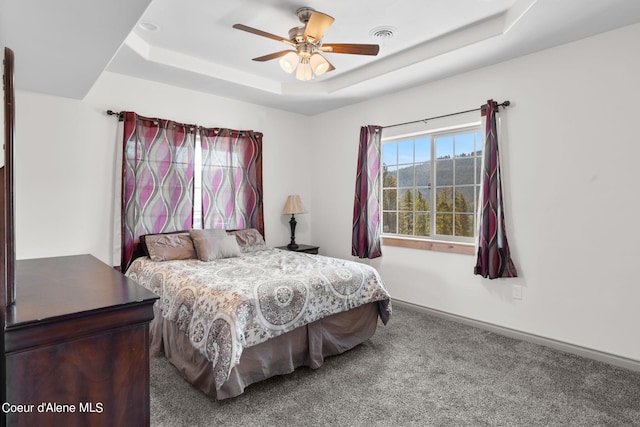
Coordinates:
293 206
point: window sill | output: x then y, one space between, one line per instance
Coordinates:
430 245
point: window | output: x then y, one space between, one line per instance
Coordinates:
431 184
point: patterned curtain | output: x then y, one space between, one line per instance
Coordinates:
494 259
231 179
157 179
365 242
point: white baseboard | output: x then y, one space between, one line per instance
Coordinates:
600 356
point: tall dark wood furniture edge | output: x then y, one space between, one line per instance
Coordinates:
7 224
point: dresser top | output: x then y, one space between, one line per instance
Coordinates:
59 287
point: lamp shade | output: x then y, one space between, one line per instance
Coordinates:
289 62
319 64
293 205
304 71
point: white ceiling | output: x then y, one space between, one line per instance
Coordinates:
62 47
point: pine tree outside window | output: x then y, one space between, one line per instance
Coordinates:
431 183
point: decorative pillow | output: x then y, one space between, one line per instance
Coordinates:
249 240
214 244
167 247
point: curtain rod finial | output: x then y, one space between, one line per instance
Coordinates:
114 113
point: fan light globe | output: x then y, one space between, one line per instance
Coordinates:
304 71
289 61
319 64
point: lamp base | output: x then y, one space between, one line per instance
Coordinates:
292 225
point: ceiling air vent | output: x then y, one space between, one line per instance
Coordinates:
383 33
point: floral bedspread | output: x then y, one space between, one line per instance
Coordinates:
229 304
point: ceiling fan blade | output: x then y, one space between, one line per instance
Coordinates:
272 56
354 49
263 34
318 24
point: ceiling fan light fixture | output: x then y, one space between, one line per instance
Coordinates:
319 64
289 62
304 71
307 42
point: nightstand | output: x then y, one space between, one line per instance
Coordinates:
302 248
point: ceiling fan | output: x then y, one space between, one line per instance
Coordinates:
307 42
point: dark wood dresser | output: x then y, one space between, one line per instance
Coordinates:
77 345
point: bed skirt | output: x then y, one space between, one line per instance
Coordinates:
304 346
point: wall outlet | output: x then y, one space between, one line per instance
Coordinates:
516 291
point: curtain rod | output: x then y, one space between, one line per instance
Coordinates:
504 104
115 113
196 127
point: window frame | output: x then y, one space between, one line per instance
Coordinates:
436 242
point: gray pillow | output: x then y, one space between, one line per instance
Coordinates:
214 244
168 247
249 240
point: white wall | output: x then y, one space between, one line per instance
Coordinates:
572 200
65 158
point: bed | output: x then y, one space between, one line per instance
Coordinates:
233 311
